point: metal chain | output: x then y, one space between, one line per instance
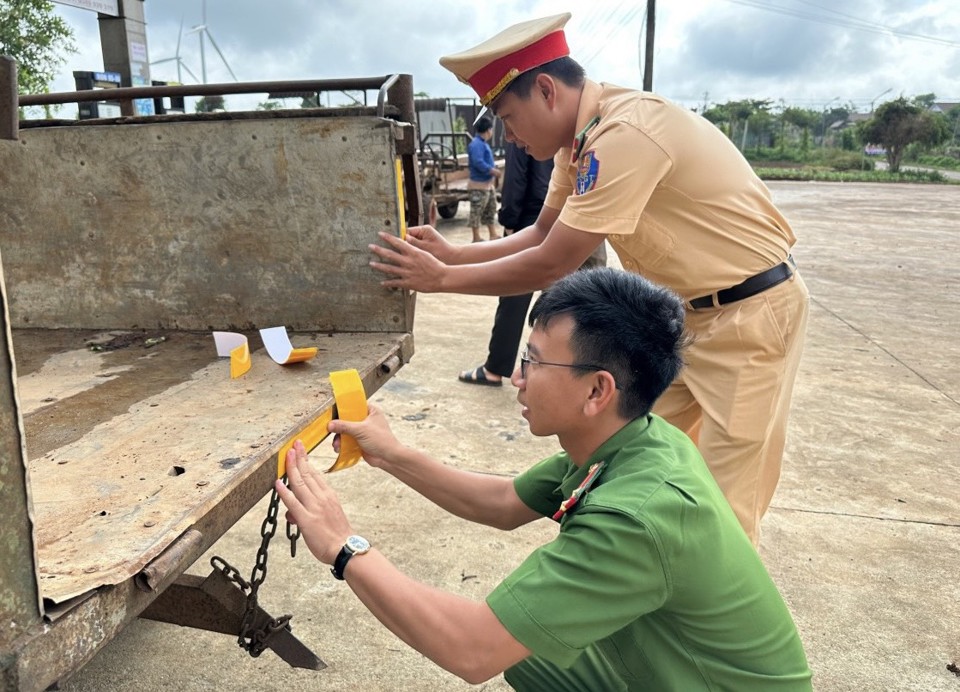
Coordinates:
255 640
230 572
293 536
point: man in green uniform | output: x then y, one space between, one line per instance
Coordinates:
650 584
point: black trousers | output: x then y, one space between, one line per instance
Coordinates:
509 320
505 336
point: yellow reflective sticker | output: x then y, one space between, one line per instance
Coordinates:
398 165
298 355
311 436
351 406
240 359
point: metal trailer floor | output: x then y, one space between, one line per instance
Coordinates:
130 448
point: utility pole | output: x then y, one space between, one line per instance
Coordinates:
863 145
823 122
648 54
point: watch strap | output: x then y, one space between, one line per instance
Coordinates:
355 545
343 557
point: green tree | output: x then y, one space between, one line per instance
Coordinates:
37 39
838 114
727 116
953 122
269 106
740 111
848 139
760 123
718 115
803 119
209 104
899 123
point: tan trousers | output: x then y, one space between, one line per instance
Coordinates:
733 396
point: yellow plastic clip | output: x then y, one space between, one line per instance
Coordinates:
351 404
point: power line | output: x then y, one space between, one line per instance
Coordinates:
883 28
603 30
857 24
597 24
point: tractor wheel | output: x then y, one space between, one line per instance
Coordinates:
449 210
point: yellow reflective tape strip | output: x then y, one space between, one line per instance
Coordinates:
311 436
298 355
240 359
351 401
398 165
351 406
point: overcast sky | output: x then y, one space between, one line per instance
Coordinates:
805 52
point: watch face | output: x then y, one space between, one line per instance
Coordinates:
357 544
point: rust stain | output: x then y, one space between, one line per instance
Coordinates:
355 176
280 164
170 363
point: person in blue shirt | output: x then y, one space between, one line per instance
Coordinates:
483 181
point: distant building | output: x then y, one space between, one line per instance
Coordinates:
944 106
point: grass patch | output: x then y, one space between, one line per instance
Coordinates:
840 166
831 176
948 162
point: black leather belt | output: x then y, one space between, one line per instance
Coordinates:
751 287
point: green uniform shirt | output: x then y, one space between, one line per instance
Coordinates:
652 569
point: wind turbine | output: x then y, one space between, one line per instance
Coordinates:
202 30
181 65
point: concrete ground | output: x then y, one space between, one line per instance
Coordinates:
862 537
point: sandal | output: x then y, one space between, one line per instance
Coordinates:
478 376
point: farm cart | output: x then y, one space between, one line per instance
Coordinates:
127 449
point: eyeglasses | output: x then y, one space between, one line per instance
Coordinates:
525 361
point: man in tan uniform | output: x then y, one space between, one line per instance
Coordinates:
679 204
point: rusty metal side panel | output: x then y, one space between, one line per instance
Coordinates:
202 225
19 599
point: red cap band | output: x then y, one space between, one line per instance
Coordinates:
492 79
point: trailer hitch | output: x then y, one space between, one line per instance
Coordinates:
227 603
215 603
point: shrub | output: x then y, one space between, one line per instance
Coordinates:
941 161
847 161
766 154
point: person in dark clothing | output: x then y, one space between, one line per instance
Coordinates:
525 183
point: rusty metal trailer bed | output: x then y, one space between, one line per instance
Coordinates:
127 450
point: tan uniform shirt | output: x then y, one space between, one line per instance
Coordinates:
676 199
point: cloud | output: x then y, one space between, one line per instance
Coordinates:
803 52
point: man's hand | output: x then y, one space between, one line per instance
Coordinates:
373 434
313 506
407 266
429 239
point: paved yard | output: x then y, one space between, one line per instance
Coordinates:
863 537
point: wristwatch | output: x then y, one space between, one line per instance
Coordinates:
355 545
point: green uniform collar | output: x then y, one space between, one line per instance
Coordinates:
599 460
